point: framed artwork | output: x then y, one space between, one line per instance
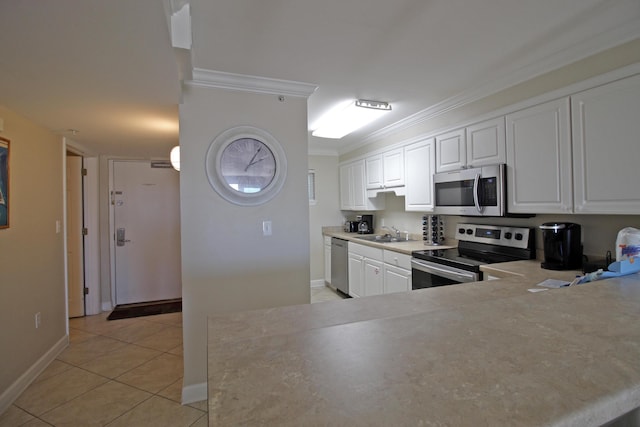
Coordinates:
4 183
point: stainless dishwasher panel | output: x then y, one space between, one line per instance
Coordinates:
339 265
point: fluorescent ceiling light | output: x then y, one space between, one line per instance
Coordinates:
345 119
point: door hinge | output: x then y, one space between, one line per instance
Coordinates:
86 291
83 172
85 231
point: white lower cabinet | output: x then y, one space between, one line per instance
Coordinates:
327 259
374 271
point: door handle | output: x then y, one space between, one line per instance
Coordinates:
120 240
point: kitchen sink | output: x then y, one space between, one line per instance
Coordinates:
387 238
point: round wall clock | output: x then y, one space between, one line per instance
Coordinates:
246 165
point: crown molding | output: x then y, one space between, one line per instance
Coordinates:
554 61
245 83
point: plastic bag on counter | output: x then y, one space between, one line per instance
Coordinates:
628 244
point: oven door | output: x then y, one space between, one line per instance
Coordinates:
426 274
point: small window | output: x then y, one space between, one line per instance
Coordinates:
311 186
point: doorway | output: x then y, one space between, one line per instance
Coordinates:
145 205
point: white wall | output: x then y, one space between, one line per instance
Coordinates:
326 211
227 264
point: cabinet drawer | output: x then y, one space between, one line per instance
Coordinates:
397 259
365 251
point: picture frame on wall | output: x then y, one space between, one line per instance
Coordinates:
4 183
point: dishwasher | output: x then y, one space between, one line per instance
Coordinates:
339 265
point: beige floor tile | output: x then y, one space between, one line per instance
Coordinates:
202 422
178 351
47 394
158 412
118 362
36 422
96 407
173 391
174 319
325 293
136 331
87 350
99 324
14 416
156 374
78 335
203 405
56 367
164 340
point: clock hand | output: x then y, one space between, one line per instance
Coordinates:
253 158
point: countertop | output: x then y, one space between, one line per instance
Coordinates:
405 247
485 353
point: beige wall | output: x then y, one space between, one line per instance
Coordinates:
31 252
326 211
227 264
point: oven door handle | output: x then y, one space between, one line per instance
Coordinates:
431 268
476 196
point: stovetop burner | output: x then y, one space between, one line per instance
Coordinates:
483 244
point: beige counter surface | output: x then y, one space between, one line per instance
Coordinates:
484 353
530 269
405 247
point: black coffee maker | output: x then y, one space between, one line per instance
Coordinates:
562 246
366 224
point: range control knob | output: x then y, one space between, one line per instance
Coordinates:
508 235
469 231
461 230
519 236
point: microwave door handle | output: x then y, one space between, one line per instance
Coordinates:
476 197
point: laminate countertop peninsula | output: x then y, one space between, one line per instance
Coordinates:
479 354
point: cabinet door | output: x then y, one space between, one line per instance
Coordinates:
393 168
606 148
356 275
327 264
373 277
346 196
539 159
419 164
396 279
451 151
486 143
375 178
358 185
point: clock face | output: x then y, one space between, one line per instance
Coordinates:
247 165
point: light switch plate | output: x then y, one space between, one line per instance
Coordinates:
266 228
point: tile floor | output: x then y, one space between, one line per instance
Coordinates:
124 372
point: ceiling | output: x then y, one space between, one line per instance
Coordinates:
104 73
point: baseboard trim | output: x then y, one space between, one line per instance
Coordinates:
194 393
317 283
20 385
106 306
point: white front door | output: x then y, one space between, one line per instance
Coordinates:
146 215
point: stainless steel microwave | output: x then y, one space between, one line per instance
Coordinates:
471 192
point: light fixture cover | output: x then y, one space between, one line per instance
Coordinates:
345 119
174 156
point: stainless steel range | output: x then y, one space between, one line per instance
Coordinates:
477 245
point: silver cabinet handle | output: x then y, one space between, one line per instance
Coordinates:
431 268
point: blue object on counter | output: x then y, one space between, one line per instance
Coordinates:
628 266
616 269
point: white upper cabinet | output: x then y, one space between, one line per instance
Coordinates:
451 151
476 145
606 148
385 170
353 191
539 159
419 164
486 143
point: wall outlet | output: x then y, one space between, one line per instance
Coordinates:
266 228
38 319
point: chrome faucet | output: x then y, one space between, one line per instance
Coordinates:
393 230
